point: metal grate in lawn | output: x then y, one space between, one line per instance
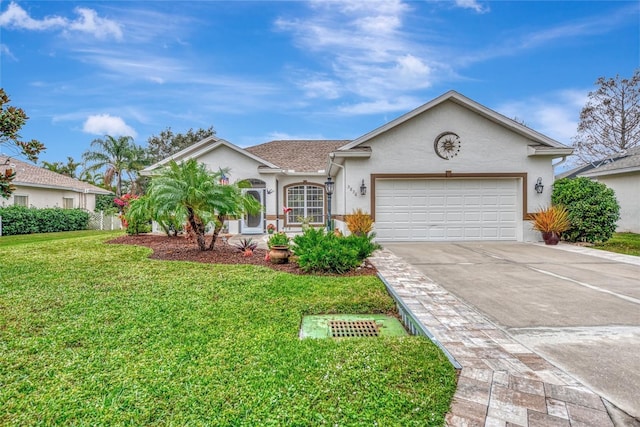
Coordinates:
353 328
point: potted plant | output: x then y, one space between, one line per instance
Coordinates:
279 248
551 222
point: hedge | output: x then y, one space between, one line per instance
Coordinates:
22 220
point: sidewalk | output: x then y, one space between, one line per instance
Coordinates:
502 383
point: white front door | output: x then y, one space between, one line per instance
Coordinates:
254 223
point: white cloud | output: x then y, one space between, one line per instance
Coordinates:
105 124
472 4
366 52
6 52
17 17
381 106
87 22
554 114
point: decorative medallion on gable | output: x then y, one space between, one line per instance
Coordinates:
447 145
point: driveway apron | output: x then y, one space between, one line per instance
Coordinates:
578 311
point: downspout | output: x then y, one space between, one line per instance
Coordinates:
564 159
344 180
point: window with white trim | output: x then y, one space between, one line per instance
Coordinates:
20 200
67 203
306 203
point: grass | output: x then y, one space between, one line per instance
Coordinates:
97 334
622 243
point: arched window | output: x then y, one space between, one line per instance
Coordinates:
306 202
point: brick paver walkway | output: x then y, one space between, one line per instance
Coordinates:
502 383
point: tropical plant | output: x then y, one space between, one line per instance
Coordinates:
593 209
69 169
246 245
359 222
117 156
279 239
189 190
138 215
551 219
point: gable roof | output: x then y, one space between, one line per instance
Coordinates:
541 140
202 147
299 155
30 175
628 162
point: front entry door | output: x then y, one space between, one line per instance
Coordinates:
254 223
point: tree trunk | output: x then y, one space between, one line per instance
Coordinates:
198 230
216 231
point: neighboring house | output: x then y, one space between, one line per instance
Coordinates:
622 175
449 170
41 188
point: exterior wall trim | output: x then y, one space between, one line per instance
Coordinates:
448 175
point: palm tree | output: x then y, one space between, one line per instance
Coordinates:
117 156
189 190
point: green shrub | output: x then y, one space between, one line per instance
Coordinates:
321 252
363 244
23 220
104 202
137 215
593 209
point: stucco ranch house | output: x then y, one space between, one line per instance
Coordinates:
41 188
449 170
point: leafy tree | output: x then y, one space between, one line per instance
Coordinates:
104 202
118 156
12 119
167 143
189 190
69 169
610 121
593 209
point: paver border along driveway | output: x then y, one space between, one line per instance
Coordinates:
502 380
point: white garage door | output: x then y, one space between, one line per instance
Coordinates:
447 209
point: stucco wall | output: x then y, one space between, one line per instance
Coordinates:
627 189
51 198
486 148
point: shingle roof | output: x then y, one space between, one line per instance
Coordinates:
31 175
301 155
628 161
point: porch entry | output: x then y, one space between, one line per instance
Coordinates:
254 223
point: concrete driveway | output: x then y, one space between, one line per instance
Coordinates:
581 312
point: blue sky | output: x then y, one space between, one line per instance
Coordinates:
259 71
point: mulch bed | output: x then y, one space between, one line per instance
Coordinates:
181 249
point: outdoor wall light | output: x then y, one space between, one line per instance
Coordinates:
539 187
363 189
328 186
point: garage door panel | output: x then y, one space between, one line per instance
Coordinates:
451 209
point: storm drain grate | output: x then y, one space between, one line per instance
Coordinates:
353 328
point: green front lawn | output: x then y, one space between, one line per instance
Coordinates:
622 243
97 334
